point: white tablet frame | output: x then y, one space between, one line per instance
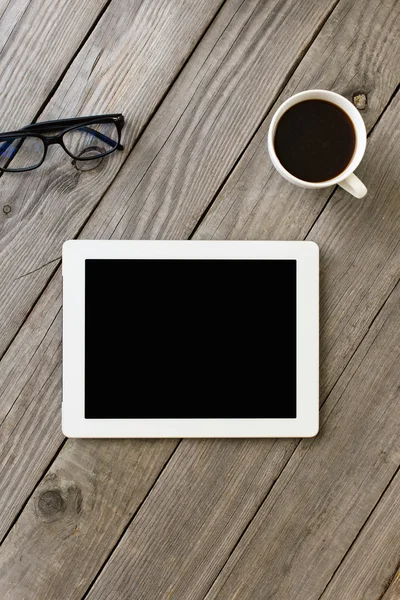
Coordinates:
75 252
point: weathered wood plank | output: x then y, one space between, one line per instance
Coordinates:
373 559
250 472
25 369
393 592
189 94
257 203
212 558
127 570
226 94
30 417
76 512
242 77
127 64
36 44
10 15
383 251
29 360
331 484
361 248
194 502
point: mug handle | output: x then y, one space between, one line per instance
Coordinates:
354 186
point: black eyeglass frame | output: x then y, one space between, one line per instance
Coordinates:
37 130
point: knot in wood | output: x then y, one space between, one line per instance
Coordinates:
50 504
89 152
6 209
360 100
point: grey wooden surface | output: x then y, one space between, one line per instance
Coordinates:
393 592
363 570
196 519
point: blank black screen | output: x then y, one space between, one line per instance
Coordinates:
190 339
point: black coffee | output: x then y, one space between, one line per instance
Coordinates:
315 140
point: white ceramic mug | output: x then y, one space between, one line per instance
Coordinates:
347 180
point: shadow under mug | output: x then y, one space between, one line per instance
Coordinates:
346 179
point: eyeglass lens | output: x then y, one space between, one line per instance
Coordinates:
21 153
94 140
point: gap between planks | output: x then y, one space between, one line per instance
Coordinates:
295 64
43 106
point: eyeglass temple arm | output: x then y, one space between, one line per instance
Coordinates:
101 137
6 145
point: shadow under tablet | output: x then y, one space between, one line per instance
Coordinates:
190 339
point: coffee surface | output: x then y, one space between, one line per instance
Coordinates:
315 140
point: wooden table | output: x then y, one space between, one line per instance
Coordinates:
201 519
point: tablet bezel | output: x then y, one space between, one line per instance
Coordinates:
75 252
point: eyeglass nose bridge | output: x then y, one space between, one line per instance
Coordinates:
55 140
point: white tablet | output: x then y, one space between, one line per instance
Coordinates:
190 339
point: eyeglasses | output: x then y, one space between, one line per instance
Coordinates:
82 138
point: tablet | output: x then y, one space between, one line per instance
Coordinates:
190 339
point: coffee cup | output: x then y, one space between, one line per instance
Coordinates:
316 139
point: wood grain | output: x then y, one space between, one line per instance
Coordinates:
10 15
126 65
25 272
249 471
228 537
257 203
360 244
238 84
30 417
31 358
374 557
188 96
36 44
189 524
393 592
128 570
330 485
76 512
